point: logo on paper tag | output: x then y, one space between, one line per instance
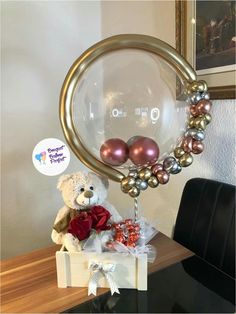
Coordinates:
41 157
51 157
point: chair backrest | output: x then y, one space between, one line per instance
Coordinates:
206 222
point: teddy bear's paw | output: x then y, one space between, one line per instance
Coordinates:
71 243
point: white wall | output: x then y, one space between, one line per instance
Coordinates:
40 41
155 18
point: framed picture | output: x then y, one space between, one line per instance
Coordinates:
206 37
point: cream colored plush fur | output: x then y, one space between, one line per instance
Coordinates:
73 188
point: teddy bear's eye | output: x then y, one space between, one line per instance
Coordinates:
82 190
91 187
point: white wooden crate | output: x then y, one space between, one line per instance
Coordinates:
73 269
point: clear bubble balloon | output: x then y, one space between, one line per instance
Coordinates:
129 93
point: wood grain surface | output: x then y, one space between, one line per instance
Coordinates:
29 282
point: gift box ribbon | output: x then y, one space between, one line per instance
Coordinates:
104 270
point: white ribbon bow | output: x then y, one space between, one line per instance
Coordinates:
102 269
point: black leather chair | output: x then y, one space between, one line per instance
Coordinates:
206 222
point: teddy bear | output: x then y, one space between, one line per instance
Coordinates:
80 192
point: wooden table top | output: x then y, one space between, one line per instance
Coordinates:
29 282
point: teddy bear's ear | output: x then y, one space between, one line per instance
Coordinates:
62 180
104 180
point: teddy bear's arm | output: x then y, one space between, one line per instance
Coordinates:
57 237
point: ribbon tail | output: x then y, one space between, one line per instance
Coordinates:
112 283
93 283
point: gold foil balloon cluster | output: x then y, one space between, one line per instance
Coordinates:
191 143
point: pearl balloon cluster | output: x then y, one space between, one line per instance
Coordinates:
191 143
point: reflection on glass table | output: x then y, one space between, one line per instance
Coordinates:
191 286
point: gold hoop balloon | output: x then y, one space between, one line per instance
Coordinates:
192 140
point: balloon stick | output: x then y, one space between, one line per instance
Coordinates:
135 209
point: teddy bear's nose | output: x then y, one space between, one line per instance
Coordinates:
88 194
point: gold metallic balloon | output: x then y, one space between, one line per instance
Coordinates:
145 174
200 123
127 183
207 117
178 152
191 122
186 160
124 189
124 41
153 182
202 86
134 192
198 86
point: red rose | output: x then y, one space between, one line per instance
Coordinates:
81 226
100 217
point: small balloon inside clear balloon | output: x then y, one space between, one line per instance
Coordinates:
142 151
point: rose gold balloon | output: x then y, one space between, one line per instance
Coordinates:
162 177
133 139
193 111
143 151
156 168
114 152
187 144
198 147
203 106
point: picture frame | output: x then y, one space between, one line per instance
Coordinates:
221 80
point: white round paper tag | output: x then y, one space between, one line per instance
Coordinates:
51 157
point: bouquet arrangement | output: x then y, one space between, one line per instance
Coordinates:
127 236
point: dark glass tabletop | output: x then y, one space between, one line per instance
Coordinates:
191 286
